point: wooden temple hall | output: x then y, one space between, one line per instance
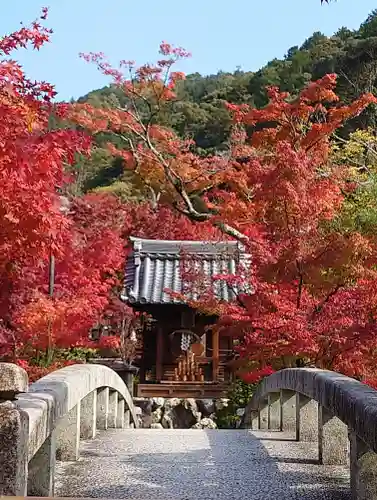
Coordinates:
180 356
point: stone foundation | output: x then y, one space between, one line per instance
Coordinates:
175 413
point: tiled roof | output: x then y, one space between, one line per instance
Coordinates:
155 266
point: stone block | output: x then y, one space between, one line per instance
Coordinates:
221 403
333 442
68 436
13 381
41 480
273 419
206 406
128 378
288 411
157 416
171 403
367 477
156 426
306 419
120 414
14 437
157 403
113 410
263 414
102 408
183 415
363 470
88 425
146 404
127 419
207 423
167 421
253 420
250 419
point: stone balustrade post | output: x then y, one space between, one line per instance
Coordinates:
306 418
263 414
127 419
273 422
254 420
363 469
129 380
68 436
14 432
120 414
103 408
333 440
287 411
88 416
113 410
41 480
251 419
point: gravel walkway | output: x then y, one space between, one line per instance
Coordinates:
198 464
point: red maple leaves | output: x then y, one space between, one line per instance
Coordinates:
276 191
314 294
32 225
309 304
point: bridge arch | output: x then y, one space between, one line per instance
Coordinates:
338 412
47 419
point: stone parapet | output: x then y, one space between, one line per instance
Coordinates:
337 412
44 421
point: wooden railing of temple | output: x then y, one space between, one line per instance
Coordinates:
196 390
170 387
337 412
46 420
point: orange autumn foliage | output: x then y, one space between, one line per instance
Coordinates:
278 193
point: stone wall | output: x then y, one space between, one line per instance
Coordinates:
175 413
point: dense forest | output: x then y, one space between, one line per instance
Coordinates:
199 111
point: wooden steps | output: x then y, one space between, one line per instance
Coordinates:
196 390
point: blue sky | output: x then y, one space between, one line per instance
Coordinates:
220 34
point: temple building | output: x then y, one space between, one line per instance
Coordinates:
181 356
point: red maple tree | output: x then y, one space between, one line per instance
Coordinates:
313 297
32 158
277 192
310 303
85 240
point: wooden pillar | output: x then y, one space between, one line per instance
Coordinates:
215 355
159 354
143 361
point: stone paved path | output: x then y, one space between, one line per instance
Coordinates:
198 464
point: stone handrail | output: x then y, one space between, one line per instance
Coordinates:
45 421
337 412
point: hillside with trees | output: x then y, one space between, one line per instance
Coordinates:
199 111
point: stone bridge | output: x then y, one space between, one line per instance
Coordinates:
307 434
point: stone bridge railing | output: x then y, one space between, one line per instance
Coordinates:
321 406
45 421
